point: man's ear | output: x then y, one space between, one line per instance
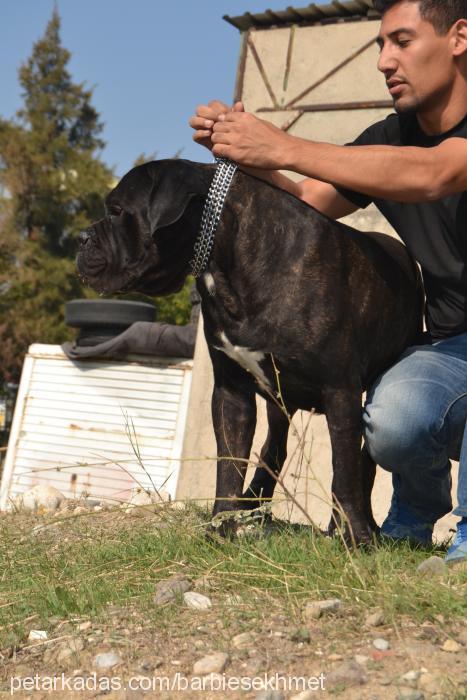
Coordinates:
177 183
460 37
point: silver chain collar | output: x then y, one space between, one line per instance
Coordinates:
211 214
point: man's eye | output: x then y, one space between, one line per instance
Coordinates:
115 210
403 42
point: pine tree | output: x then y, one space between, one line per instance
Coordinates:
53 183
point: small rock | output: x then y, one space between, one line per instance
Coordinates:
79 509
83 626
376 619
107 659
409 694
305 695
361 659
315 608
198 644
243 640
451 646
433 566
37 635
213 663
197 601
270 695
140 499
39 497
381 644
69 649
385 680
411 678
335 657
166 591
349 673
431 683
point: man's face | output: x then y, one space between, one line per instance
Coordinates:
417 63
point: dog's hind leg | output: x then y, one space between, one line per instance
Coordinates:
273 455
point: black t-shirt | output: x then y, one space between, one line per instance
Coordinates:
435 233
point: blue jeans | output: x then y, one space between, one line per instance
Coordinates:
415 421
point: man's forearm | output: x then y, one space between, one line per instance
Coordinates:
405 174
402 173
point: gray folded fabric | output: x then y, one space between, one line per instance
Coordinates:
142 337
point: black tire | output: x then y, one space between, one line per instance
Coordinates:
100 320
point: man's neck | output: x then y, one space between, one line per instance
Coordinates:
447 113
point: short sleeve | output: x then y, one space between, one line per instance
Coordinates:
371 136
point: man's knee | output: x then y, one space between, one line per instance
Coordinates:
399 428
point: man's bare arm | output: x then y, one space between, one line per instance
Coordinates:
320 195
401 173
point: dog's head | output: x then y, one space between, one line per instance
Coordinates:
145 241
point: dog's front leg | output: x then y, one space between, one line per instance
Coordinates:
234 419
344 417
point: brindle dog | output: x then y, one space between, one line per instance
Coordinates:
286 289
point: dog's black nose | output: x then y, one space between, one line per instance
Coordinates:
84 237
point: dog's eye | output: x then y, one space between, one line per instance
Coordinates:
115 210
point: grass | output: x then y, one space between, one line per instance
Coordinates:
78 566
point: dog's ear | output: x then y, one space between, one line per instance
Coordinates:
175 184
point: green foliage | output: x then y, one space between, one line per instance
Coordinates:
52 186
55 184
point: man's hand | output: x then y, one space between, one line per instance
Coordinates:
205 118
249 141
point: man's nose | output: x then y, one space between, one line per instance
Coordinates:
386 61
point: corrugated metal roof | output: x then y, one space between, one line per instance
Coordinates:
72 419
337 10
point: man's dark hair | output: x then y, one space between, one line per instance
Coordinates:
441 13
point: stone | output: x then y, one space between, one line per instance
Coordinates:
433 566
40 497
167 590
37 635
381 644
375 619
68 649
197 601
348 674
409 694
141 499
213 663
315 608
431 683
107 659
410 679
243 640
361 659
335 657
451 646
83 626
270 695
305 695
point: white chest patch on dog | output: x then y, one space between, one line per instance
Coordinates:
248 359
208 280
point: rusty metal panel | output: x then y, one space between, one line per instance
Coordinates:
100 427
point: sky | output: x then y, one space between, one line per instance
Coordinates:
149 62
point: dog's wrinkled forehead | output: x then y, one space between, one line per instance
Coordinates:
134 189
